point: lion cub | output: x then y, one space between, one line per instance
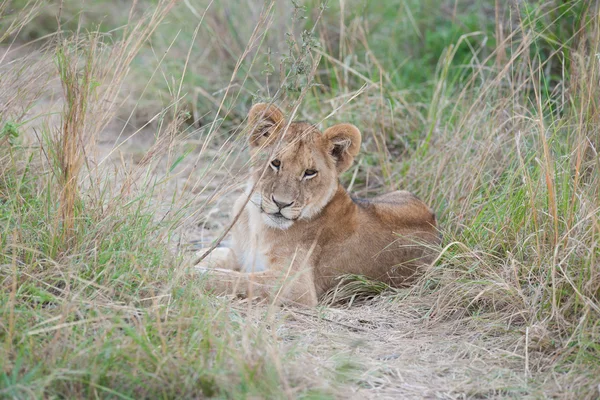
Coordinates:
298 229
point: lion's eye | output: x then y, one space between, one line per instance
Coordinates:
309 173
275 164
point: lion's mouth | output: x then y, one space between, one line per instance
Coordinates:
277 215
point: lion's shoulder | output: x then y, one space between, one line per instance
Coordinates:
399 208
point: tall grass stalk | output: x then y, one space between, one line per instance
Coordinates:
91 74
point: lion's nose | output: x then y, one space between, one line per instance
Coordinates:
280 204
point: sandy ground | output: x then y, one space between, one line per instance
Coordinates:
400 355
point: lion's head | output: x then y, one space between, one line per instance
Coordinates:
295 166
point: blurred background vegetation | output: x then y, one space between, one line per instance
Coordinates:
403 40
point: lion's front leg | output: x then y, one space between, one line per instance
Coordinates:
276 286
220 258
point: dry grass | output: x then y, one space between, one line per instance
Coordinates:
99 209
91 75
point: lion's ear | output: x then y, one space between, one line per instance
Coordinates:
265 121
343 141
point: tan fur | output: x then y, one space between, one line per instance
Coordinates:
321 233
